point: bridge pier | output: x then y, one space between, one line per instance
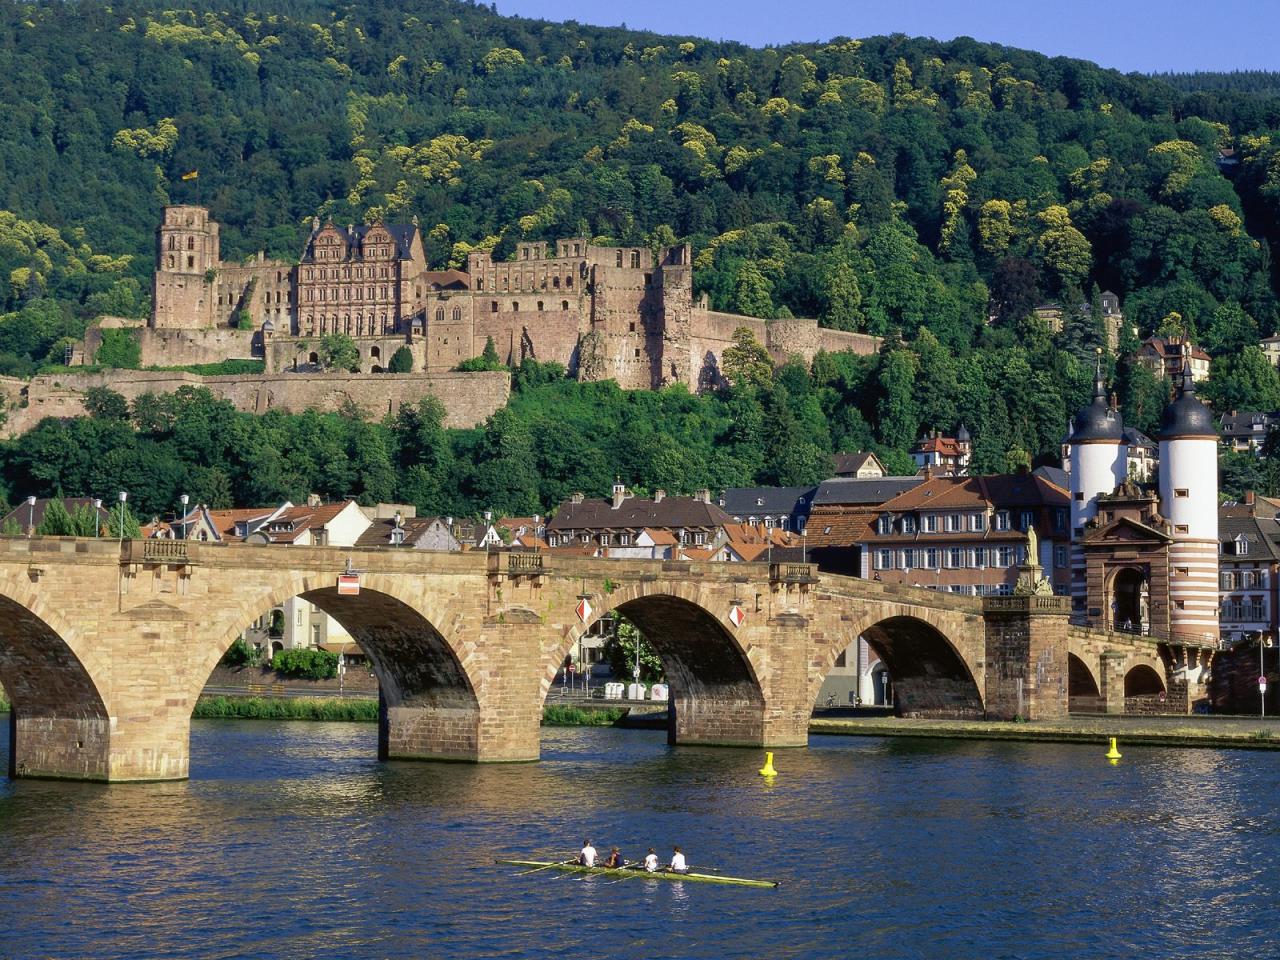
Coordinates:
1112 680
1026 657
110 749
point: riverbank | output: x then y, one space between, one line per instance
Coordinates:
351 709
1239 732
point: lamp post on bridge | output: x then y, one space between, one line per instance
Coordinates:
124 495
31 516
184 500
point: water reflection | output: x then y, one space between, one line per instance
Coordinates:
291 842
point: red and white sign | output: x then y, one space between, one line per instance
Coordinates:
1262 684
736 616
348 584
584 609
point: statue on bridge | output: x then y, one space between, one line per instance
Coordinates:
1031 582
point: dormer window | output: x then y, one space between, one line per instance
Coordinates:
884 526
1242 546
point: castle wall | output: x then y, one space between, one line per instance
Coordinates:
548 334
180 348
713 332
469 398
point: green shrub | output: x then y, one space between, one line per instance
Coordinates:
241 654
225 368
401 361
119 349
285 708
306 664
555 715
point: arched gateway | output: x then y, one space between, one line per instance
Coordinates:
105 646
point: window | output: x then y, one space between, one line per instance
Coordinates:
1242 546
619 259
1027 519
699 538
980 557
1002 520
908 523
931 523
908 559
637 356
931 558
884 559
1181 528
493 306
191 243
1181 492
439 314
952 523
191 262
955 557
1060 556
1059 519
635 259
978 521
1004 557
625 539
515 305
564 304
884 526
604 539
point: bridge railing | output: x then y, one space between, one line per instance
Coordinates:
157 551
516 564
792 573
1029 604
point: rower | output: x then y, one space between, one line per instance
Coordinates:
677 861
651 861
615 859
587 857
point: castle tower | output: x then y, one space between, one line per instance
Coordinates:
186 250
1189 501
1097 466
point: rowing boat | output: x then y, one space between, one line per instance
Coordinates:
624 873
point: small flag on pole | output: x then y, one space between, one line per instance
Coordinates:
191 175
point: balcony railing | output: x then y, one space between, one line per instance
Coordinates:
524 564
158 551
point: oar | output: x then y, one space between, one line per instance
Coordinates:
545 866
630 865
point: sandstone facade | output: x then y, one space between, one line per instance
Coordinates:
621 313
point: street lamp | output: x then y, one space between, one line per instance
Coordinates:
97 517
184 500
31 512
124 495
1263 643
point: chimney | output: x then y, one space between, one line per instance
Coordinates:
658 495
448 522
1249 498
576 498
619 494
313 500
703 496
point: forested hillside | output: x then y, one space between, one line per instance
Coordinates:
932 193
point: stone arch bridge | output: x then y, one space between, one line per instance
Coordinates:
106 645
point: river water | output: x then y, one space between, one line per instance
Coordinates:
291 841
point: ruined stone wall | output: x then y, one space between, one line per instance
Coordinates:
180 348
468 398
550 334
262 287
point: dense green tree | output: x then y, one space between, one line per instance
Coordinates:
401 361
339 352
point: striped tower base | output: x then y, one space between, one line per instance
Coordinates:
1193 591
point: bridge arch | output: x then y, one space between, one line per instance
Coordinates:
429 693
1143 680
929 655
59 723
715 694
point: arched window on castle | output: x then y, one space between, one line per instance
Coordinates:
171 261
493 306
619 259
555 282
568 281
173 243
191 243
564 304
479 283
457 314
515 305
539 304
439 314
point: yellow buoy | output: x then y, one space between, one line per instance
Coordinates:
1113 754
767 770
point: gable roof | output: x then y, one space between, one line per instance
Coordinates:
851 491
378 533
1261 536
848 464
402 235
25 515
289 525
636 513
743 502
999 490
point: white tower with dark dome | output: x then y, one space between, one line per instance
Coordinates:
1189 501
1098 465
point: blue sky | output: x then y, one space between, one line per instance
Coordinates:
1144 35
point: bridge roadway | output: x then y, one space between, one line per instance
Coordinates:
105 645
